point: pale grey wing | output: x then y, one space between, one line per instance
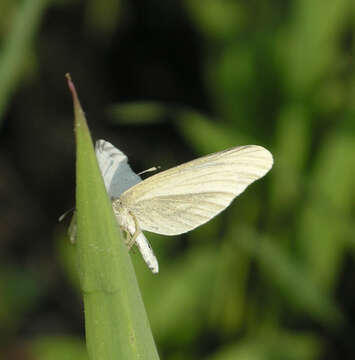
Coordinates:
117 174
184 197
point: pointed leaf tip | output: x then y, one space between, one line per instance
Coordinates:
72 88
78 111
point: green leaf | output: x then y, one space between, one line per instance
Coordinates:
211 136
272 343
327 215
310 45
58 348
290 278
115 319
179 302
217 19
16 46
139 112
291 154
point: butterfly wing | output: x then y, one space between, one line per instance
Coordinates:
117 174
184 197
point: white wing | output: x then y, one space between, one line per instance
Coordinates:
117 174
184 197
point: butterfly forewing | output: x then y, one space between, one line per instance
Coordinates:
113 163
184 197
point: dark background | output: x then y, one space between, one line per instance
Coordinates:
165 82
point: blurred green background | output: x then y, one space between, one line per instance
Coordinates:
273 277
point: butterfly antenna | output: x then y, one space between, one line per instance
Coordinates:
154 168
63 216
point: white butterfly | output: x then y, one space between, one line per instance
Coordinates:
180 199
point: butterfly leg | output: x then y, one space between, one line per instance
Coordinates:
128 237
137 231
130 240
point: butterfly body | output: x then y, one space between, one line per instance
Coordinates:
129 224
118 177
